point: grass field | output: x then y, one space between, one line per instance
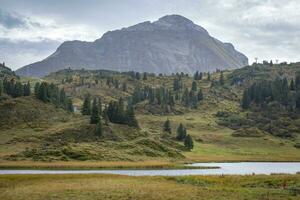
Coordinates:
42 187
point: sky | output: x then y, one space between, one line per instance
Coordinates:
31 30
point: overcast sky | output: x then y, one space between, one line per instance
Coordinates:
31 30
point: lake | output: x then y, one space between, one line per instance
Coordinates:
235 168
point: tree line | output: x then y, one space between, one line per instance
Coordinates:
51 93
279 90
14 88
115 112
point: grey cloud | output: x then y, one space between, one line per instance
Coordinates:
8 20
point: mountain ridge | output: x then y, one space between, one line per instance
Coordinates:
171 44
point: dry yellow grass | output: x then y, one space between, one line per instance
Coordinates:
88 164
41 187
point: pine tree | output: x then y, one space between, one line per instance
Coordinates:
100 106
27 89
185 98
18 90
1 87
246 99
297 81
145 76
221 78
43 92
99 128
130 117
70 106
194 86
86 107
36 89
181 132
196 76
200 95
95 118
292 85
167 126
208 76
188 142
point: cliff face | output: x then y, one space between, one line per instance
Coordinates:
170 44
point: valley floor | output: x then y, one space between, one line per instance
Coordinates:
35 187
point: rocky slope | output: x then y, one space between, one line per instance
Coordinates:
171 44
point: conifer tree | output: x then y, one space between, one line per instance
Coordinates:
208 76
1 87
43 92
18 90
86 107
145 76
70 106
181 132
27 89
167 126
99 128
185 97
188 142
194 86
292 85
221 78
130 116
36 89
95 118
200 95
100 106
246 99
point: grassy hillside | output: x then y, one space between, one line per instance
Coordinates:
33 130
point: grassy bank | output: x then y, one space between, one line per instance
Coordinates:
83 165
18 187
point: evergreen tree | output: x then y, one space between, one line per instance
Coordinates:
63 101
181 132
167 126
130 117
221 78
86 107
18 90
194 86
145 76
200 95
36 89
100 106
188 142
176 84
95 118
27 89
43 92
124 87
297 81
1 87
99 128
298 101
70 106
246 99
208 76
196 76
185 98
292 85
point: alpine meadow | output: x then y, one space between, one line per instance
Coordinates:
157 110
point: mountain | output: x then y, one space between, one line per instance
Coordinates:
171 44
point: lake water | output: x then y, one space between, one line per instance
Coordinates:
236 168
